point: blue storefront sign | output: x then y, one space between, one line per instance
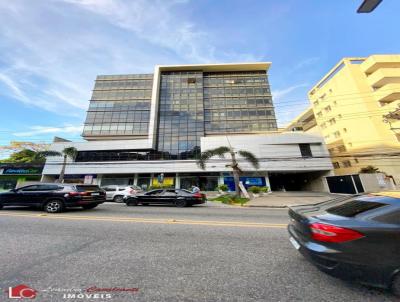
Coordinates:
247 182
21 171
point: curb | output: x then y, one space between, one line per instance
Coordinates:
272 207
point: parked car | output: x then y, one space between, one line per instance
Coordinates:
178 197
54 198
356 239
117 193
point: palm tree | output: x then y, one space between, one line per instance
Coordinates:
236 170
369 169
68 152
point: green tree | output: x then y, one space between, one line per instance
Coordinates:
24 156
69 152
234 165
22 152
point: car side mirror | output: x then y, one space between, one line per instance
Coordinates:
14 190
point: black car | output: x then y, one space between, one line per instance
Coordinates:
54 198
178 197
356 239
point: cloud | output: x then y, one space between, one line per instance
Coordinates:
36 130
305 63
53 50
279 94
289 102
155 22
14 88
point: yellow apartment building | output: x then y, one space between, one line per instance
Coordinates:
356 107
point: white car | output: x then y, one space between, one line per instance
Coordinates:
117 193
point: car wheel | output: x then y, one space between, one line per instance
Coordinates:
89 206
1 206
119 199
54 206
145 204
180 203
396 285
132 202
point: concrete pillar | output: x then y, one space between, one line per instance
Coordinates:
135 179
151 179
47 178
177 181
220 179
98 179
267 183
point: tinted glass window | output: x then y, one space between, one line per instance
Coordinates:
155 192
110 189
393 217
84 188
354 207
169 193
49 187
184 192
29 189
305 150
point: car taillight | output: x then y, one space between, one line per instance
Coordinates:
198 195
331 233
131 191
78 193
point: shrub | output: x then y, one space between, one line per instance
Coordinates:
254 189
223 188
231 199
264 189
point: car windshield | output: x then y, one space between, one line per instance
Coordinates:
354 207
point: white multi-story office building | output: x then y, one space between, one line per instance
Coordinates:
139 126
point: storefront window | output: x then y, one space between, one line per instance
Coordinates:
144 181
205 183
7 184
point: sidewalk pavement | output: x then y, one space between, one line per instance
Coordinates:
285 199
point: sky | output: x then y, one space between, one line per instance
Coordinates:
52 50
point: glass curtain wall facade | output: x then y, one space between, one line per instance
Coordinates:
120 106
181 114
192 104
238 102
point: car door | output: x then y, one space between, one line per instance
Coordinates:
9 198
168 196
27 195
151 196
110 192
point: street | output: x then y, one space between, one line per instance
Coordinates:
202 253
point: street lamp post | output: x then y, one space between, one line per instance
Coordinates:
368 6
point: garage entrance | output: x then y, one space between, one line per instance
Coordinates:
296 181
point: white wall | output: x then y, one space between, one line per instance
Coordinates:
375 182
272 149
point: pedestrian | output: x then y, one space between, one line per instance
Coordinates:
195 189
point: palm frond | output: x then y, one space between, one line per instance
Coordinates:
70 152
250 157
206 155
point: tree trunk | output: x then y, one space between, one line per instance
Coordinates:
236 173
236 179
61 177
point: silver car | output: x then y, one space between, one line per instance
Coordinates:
117 193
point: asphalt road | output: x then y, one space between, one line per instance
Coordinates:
203 253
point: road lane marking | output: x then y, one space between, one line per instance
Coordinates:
149 220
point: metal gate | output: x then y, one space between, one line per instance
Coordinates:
347 184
